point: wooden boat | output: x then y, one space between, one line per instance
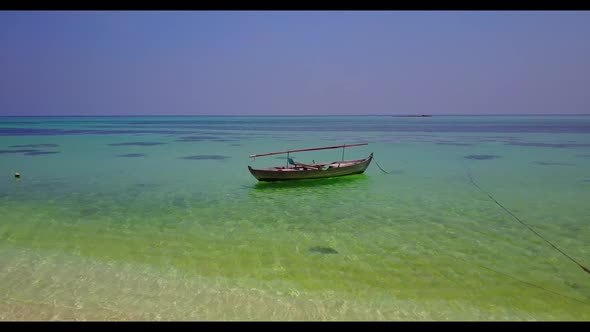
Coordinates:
299 171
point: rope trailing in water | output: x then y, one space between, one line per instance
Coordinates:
384 171
519 280
526 225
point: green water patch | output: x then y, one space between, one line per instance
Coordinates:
289 186
387 246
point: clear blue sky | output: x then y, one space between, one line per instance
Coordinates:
294 63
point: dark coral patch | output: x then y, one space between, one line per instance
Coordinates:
18 151
396 172
450 143
180 202
481 156
200 138
551 145
544 163
205 157
89 212
137 144
55 132
39 153
147 185
323 250
36 146
131 155
196 138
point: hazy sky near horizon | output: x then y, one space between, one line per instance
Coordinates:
294 62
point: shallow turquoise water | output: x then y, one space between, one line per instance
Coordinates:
89 233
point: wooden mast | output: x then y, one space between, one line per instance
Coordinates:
311 149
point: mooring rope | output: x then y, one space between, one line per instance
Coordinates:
517 279
526 225
384 171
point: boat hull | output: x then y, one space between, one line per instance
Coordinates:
281 174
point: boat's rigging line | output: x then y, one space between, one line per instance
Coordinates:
523 223
310 149
287 152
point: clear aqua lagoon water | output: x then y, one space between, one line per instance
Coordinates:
111 221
